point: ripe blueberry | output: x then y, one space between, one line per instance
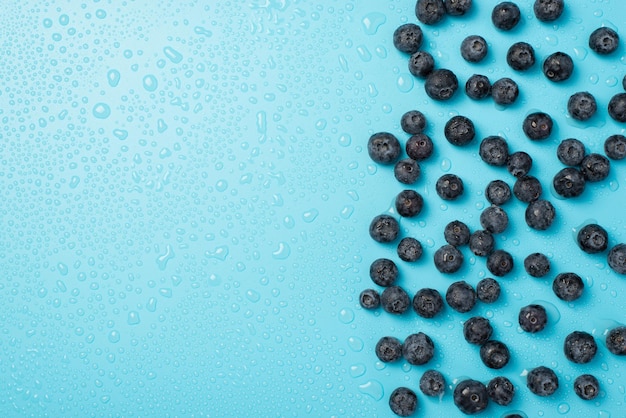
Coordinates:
395 300
603 40
558 67
582 105
488 290
504 91
540 214
548 10
617 258
537 265
571 152
498 192
494 219
499 263
421 64
505 16
388 349
459 131
532 318
542 381
369 299
461 296
409 249
430 12
587 387
403 402
427 303
495 354
595 167
617 107
615 147
448 259
457 7
569 182
413 122
384 228
449 187
419 147
568 286
470 396
537 125
527 189
432 383
441 84
456 233
481 243
494 150
383 272
408 38
407 171
477 87
418 349
520 56
592 239
477 330
474 48
616 341
501 390
580 347
384 148
409 203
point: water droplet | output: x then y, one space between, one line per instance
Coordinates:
164 258
445 165
151 305
101 110
563 408
598 13
346 315
611 81
604 414
356 344
219 253
114 336
150 82
372 388
166 292
133 318
580 52
357 370
120 134
282 252
364 53
113 77
613 185
64 20
372 21
347 211
345 140
253 295
221 185
310 215
202 31
63 269
161 126
405 82
594 78
554 315
172 54
552 40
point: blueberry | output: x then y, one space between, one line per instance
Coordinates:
419 147
421 64
514 415
558 67
477 330
532 318
481 243
542 381
474 48
505 16
595 167
580 347
615 147
430 12
383 272
478 87
470 396
537 265
498 192
603 40
441 84
527 189
520 56
569 182
448 259
388 349
571 152
617 258
407 171
499 263
540 214
409 203
413 122
395 300
616 341
403 402
459 131
592 239
456 233
369 299
519 164
449 187
488 290
384 148
418 349
409 249
494 219
457 7
501 390
427 303
582 105
548 10
568 286
504 91
408 38
494 150
461 296
384 228
537 125
617 107
624 82
432 383
587 387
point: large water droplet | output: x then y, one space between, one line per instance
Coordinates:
372 21
133 318
372 388
113 77
172 54
101 110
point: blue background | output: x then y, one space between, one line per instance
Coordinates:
186 195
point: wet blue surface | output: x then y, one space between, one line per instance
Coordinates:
186 194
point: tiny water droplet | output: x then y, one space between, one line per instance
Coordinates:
345 140
445 165
253 295
151 305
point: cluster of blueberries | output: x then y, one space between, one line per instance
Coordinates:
472 396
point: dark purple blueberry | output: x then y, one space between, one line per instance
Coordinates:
520 56
408 38
615 147
532 318
603 40
403 402
369 299
495 354
494 219
459 131
499 263
488 290
592 239
383 272
481 243
407 171
501 390
413 122
432 383
568 286
540 214
448 259
519 164
582 105
617 107
395 300
580 347
388 349
421 64
456 233
409 249
457 7
449 187
617 258
474 48
504 91
616 341
537 265
418 349
587 387
427 303
542 381
548 10
384 228
527 189
441 84
498 192
419 147
595 167
571 152
494 150
461 296
537 126
430 12
558 67
477 87
471 397
384 148
505 16
477 330
409 203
